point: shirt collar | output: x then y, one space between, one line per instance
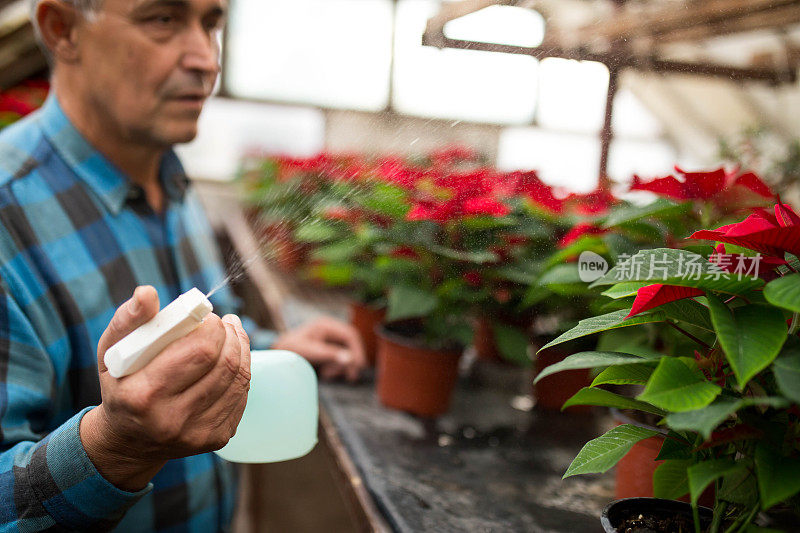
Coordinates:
110 184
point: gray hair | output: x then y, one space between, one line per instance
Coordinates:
87 7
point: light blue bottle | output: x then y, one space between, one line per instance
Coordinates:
280 419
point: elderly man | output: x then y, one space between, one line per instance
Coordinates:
94 204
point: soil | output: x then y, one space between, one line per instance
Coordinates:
638 523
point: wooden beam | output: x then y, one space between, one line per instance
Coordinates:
631 23
774 18
607 133
625 60
453 10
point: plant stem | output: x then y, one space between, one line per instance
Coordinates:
719 513
696 516
795 323
749 519
695 339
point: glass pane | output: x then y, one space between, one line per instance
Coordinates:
516 26
646 158
458 84
572 95
331 53
632 119
563 159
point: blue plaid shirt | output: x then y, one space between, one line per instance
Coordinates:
76 237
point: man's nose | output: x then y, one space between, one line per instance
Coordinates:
201 51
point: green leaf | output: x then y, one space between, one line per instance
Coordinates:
688 311
512 343
624 375
533 295
701 475
675 447
750 335
787 371
480 257
596 324
704 420
315 232
677 267
591 360
660 207
336 252
604 398
600 454
778 476
385 199
677 388
671 479
784 292
517 275
333 275
740 488
409 302
624 289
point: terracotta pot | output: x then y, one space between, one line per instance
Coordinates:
365 319
552 391
413 378
484 339
485 345
634 472
287 254
618 511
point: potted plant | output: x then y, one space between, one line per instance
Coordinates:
729 406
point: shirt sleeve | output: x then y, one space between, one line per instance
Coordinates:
46 478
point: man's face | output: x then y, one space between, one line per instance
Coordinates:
148 65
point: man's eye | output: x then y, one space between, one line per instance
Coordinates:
162 20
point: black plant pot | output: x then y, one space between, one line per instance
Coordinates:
618 511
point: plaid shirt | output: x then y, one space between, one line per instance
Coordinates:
76 237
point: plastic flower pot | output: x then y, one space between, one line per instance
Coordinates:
651 514
552 391
413 377
365 319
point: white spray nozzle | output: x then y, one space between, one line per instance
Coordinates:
140 346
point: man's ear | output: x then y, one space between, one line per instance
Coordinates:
58 23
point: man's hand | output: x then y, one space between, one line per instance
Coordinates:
188 400
333 346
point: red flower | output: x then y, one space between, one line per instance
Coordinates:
579 230
404 252
763 232
529 185
473 278
485 205
658 294
721 187
596 202
450 155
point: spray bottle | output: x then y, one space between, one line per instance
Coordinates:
280 420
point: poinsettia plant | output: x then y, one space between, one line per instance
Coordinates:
727 397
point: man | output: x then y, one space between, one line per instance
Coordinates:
94 204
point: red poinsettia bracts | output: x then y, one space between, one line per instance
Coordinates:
442 197
724 189
658 294
528 185
770 234
578 231
594 203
